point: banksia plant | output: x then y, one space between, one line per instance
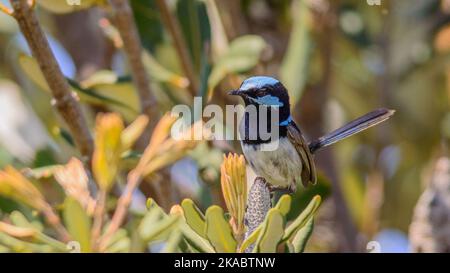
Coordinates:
259 203
188 229
233 180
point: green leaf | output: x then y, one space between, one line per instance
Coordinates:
172 244
42 172
100 88
78 223
302 236
159 73
218 231
271 233
242 55
18 219
284 204
250 239
196 28
121 246
115 239
294 69
195 241
194 217
120 95
156 225
31 68
302 219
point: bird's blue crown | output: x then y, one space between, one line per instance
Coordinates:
257 82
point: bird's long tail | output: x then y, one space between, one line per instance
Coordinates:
360 124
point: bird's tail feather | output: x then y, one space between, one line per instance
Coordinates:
360 124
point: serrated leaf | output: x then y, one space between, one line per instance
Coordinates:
194 217
302 236
271 233
302 219
78 223
218 231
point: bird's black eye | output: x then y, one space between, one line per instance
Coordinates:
260 92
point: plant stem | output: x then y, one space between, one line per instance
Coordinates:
54 221
124 21
63 98
134 179
180 45
98 217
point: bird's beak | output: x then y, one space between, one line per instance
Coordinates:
236 93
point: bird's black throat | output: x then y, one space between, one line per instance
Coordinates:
252 131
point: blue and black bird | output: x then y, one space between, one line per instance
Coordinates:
292 161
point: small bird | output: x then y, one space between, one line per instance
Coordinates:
292 161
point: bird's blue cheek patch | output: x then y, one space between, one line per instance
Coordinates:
286 122
269 101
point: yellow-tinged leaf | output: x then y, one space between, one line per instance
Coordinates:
107 150
271 233
303 218
250 239
78 223
99 78
234 189
284 204
159 73
196 241
194 217
133 132
157 225
218 231
31 68
15 186
302 236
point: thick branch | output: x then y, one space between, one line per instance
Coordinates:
180 44
64 100
124 21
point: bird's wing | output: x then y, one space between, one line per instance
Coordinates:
308 169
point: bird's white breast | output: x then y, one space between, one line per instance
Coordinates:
281 167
